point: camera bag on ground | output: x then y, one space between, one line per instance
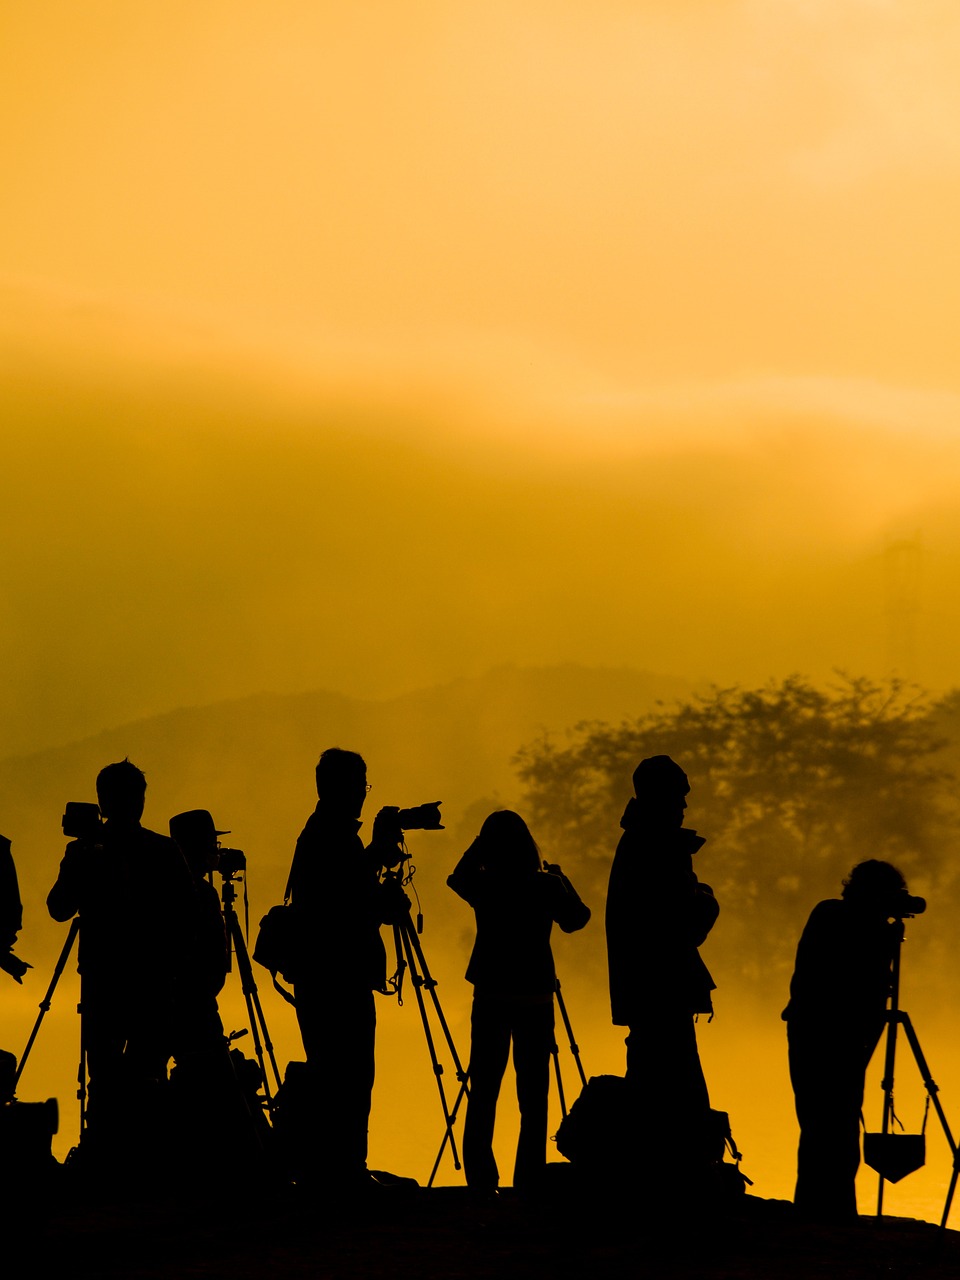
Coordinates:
607 1135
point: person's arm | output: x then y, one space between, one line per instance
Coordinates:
703 913
466 878
11 908
569 910
386 845
64 899
11 914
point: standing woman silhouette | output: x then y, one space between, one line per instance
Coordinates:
516 901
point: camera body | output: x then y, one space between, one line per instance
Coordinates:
231 862
906 905
421 817
82 821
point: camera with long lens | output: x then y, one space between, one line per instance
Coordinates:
231 862
421 817
82 821
906 905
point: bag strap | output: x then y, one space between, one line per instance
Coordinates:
287 995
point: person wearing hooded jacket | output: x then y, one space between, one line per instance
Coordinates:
657 915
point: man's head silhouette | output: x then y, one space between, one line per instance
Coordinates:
874 886
661 787
342 781
121 792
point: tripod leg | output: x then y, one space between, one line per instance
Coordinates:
252 999
933 1093
928 1082
45 1002
419 981
555 1054
887 1085
949 1200
446 1136
415 950
574 1047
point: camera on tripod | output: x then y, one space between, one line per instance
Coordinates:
231 862
82 821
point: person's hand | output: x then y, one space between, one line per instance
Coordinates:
394 903
386 825
14 966
553 868
388 836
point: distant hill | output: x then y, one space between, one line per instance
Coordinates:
251 761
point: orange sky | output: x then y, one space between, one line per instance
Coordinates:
365 346
620 334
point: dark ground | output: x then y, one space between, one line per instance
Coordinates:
445 1233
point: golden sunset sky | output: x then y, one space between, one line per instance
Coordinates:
365 346
362 347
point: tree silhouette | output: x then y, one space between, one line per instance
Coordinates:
792 784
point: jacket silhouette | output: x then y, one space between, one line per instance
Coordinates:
657 915
135 897
340 902
835 1016
516 905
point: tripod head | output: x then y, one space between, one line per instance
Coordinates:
231 863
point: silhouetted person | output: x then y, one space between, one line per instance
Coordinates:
516 905
11 914
218 1127
657 915
205 963
835 1017
135 897
334 886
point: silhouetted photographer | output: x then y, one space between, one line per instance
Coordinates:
135 897
11 914
516 901
340 903
205 962
221 1126
657 915
835 1017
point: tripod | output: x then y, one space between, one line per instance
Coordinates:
59 967
410 956
554 1054
896 1017
574 1049
236 946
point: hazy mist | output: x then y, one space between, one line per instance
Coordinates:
416 378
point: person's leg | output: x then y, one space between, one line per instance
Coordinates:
339 1037
668 1088
103 1037
533 1040
489 1052
663 1060
827 1079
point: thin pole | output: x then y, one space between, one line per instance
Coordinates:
45 1002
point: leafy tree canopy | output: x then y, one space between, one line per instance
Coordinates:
791 784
